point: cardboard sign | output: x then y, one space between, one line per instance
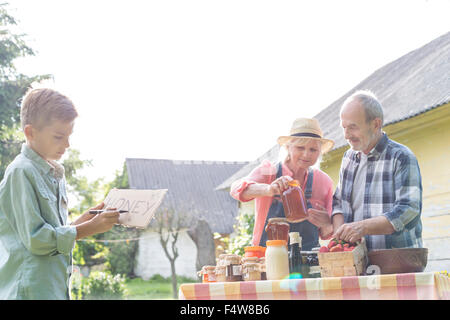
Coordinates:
140 204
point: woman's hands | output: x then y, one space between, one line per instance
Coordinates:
279 185
319 217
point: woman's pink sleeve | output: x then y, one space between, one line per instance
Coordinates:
260 174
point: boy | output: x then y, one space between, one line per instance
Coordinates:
35 240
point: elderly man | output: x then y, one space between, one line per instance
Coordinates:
379 195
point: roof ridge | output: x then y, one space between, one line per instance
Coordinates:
175 161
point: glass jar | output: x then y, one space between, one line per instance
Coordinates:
262 268
221 274
277 260
254 251
250 260
277 229
208 274
251 271
233 271
294 203
221 259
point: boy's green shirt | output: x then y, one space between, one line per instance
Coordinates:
35 240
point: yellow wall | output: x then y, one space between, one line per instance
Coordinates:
428 136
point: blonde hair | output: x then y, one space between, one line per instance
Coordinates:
42 106
284 150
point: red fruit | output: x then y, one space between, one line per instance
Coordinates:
323 249
332 243
337 248
346 245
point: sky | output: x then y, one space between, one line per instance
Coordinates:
209 80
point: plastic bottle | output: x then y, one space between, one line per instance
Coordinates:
277 260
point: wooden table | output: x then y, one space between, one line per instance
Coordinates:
406 286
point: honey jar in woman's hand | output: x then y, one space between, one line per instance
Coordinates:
294 203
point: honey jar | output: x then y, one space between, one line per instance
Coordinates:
294 203
251 271
208 274
221 273
221 259
233 271
277 229
262 268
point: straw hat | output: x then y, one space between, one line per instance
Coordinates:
306 128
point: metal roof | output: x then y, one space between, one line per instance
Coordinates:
415 83
190 187
409 86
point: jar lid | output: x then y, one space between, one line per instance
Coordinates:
254 248
277 220
232 259
294 183
276 243
250 259
208 268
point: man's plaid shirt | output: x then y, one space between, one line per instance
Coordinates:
393 189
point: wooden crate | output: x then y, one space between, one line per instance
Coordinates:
345 263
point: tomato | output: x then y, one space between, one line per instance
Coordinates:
332 243
337 248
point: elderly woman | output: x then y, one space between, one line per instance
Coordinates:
304 145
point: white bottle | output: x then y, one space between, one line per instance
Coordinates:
277 260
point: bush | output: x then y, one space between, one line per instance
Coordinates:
244 233
121 255
100 286
89 253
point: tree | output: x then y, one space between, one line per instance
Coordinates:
13 86
121 257
169 226
87 194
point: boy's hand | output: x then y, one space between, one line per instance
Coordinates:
105 221
88 216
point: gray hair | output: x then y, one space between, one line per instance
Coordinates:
369 102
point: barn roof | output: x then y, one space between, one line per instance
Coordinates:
413 84
190 187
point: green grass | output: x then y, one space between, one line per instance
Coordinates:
155 288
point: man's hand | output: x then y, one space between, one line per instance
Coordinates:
350 232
